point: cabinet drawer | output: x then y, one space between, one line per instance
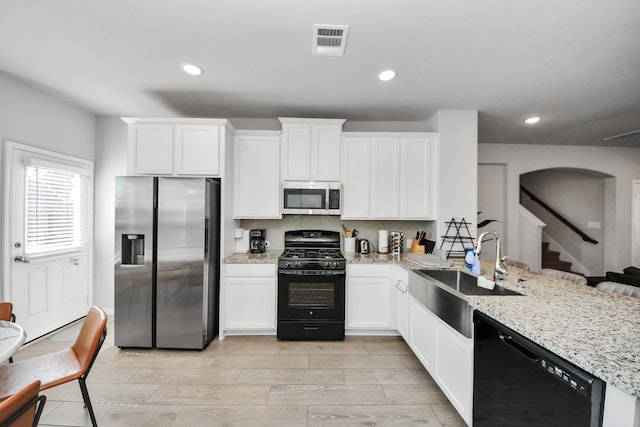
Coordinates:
369 270
250 270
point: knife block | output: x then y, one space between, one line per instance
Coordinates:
416 247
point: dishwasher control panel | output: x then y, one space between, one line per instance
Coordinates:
572 381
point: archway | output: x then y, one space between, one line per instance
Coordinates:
581 197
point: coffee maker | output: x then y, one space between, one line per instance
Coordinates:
257 238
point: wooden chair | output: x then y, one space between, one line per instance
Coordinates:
63 366
24 408
6 313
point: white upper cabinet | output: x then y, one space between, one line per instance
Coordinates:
418 180
310 149
356 181
385 178
389 175
150 149
256 171
175 147
197 150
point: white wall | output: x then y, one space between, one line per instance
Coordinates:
36 118
111 161
623 163
458 166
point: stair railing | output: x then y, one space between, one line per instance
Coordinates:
553 212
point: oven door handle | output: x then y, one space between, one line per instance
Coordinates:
300 273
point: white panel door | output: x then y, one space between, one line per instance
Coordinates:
197 150
325 156
150 149
419 178
385 178
256 186
368 303
296 152
250 303
356 183
48 289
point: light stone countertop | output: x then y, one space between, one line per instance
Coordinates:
595 330
376 258
268 257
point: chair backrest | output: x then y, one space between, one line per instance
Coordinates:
619 288
559 274
91 337
22 409
6 310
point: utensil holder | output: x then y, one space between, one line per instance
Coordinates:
350 244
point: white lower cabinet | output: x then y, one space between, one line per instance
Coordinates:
400 283
422 333
454 368
446 354
250 292
368 295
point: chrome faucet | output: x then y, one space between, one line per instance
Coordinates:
499 269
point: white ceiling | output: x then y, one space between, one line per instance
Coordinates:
575 63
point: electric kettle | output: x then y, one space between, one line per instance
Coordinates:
364 247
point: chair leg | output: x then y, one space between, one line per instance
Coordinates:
87 401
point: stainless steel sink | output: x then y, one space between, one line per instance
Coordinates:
443 293
463 283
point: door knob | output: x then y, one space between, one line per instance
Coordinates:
20 258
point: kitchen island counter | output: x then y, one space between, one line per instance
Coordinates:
595 330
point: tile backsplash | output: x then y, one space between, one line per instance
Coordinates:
366 229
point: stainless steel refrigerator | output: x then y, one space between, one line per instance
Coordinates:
167 262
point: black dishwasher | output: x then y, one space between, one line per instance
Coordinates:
518 383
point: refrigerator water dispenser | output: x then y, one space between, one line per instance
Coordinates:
133 249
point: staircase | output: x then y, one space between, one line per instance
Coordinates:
551 259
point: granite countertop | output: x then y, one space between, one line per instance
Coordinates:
268 257
595 330
376 258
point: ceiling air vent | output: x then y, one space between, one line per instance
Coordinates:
329 40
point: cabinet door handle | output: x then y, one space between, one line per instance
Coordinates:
401 289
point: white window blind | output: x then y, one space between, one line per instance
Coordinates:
55 214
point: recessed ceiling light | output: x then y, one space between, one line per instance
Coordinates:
387 75
532 120
191 69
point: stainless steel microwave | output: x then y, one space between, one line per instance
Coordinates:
311 198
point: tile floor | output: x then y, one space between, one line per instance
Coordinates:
251 381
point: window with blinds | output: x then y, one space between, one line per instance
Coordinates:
55 214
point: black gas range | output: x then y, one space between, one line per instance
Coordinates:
311 286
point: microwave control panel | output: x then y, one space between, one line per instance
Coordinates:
334 199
